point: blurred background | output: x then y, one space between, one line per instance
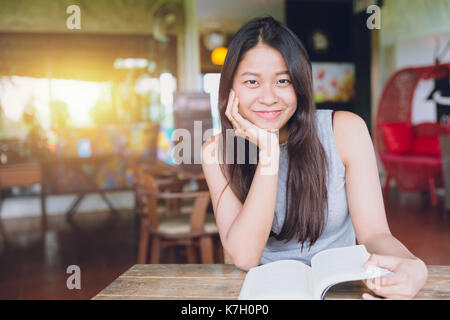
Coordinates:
90 94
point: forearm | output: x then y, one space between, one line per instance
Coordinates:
387 244
249 232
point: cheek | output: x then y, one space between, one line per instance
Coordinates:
290 99
246 99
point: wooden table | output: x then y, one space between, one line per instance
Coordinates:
224 281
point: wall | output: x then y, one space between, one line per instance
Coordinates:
420 51
404 20
409 32
99 16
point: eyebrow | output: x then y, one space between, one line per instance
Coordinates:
248 73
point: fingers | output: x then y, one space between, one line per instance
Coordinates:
373 283
243 123
240 125
386 262
229 106
392 280
395 291
232 112
367 296
385 281
388 291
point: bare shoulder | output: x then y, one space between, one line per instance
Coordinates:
350 133
348 120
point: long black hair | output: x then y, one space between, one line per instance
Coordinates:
306 196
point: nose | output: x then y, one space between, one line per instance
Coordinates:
268 96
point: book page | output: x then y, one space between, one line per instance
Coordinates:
337 265
279 280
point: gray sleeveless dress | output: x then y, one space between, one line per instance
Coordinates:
338 231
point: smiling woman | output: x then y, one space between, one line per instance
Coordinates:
268 72
324 191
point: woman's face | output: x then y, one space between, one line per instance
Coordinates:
263 86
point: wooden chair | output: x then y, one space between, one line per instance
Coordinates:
171 227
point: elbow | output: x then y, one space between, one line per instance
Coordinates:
244 262
245 266
243 257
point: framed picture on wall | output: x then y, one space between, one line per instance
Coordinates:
333 83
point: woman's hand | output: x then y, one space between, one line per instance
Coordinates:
409 277
264 139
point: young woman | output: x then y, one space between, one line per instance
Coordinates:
325 190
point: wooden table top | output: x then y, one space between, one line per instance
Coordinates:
224 281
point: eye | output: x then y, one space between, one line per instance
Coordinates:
251 82
284 81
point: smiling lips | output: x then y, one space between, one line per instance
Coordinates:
268 115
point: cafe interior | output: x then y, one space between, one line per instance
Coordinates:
91 93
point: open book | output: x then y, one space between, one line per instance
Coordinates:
294 280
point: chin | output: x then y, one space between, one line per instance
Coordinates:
267 125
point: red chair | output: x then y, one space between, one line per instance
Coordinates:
409 153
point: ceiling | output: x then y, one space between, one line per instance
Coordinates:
230 15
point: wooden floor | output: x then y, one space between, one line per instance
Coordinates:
33 264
